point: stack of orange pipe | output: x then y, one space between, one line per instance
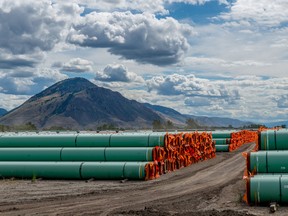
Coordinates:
180 150
184 149
242 137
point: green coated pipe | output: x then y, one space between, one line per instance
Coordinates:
221 134
30 154
134 170
221 141
39 169
73 170
137 140
38 140
82 154
102 170
156 139
129 154
77 154
262 189
222 148
113 170
93 140
268 162
83 140
273 140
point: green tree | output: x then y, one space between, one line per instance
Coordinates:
27 127
191 124
157 124
169 125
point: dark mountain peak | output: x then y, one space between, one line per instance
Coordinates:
67 86
78 103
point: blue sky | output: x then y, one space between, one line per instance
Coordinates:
200 57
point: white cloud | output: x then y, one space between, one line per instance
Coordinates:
10 101
117 73
28 28
197 101
141 37
282 101
219 49
147 6
28 82
261 12
191 86
195 2
247 97
151 6
76 65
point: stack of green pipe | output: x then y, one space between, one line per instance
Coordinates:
267 188
270 164
77 156
273 140
222 140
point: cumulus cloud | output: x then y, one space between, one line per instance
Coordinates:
260 12
247 97
147 6
141 37
191 86
27 27
224 63
28 82
75 65
194 2
10 101
197 101
117 73
30 29
12 62
282 101
151 6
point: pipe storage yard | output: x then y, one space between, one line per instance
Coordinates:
227 141
266 172
101 156
170 161
150 153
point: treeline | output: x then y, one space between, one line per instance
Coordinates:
26 127
156 125
168 125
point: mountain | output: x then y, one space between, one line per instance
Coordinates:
168 113
3 111
219 121
275 124
204 121
77 103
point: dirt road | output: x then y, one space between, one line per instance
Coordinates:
213 187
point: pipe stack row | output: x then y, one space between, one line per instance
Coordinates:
184 149
266 171
100 156
227 141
